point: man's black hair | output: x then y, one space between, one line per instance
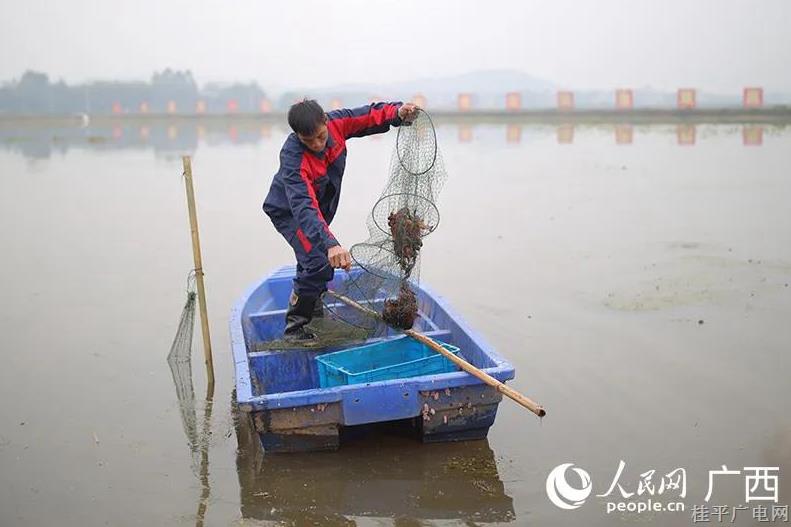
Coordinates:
305 116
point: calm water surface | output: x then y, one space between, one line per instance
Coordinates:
638 279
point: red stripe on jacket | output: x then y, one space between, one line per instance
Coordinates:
311 165
376 117
304 240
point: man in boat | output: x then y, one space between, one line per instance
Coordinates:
304 194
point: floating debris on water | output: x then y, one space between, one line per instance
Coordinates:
475 466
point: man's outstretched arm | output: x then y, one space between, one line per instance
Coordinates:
375 118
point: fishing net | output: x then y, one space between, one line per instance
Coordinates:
180 362
401 218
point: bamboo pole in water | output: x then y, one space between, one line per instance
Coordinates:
461 363
196 254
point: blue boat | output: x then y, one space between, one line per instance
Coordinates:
279 390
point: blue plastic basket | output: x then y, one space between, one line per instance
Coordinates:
391 359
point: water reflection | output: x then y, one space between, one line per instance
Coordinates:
197 441
565 134
465 133
624 134
203 500
752 135
513 133
685 134
180 362
435 482
40 140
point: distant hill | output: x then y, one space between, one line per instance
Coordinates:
488 89
488 81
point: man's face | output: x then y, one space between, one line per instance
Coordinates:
318 140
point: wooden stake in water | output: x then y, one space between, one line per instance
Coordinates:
196 254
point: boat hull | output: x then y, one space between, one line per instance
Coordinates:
278 390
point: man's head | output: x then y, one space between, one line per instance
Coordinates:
309 122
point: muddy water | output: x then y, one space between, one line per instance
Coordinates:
638 279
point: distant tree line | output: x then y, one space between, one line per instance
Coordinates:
169 91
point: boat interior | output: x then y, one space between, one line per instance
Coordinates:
289 370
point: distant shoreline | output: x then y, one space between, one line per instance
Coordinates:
773 115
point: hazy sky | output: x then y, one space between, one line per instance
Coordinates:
717 45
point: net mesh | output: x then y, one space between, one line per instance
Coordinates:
401 218
180 362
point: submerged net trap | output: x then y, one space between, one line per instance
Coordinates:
180 362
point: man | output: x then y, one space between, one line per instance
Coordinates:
304 196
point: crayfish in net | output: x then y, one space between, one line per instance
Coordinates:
389 259
401 312
408 230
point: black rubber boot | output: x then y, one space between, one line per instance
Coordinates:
298 315
318 308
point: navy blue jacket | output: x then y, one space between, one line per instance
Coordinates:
304 194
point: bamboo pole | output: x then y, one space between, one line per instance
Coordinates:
196 255
461 363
